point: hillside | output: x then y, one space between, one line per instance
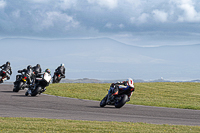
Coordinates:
103 58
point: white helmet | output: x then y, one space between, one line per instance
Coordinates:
61 64
130 82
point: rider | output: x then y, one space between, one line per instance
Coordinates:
38 81
119 86
7 68
61 70
37 69
29 72
48 71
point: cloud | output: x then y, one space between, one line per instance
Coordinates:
2 4
40 1
121 26
160 16
108 25
56 18
189 12
111 4
143 18
16 13
64 18
67 4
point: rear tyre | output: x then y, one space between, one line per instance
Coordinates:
15 90
26 94
121 102
36 91
103 101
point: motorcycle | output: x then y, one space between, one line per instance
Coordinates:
3 76
119 100
56 77
39 86
21 82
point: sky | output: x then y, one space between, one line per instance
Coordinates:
134 22
141 23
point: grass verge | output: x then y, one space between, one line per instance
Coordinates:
183 95
42 125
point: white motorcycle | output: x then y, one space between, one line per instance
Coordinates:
39 85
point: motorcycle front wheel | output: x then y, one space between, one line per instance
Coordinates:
103 101
54 79
18 86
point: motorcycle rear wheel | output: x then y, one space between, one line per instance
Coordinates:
36 91
121 102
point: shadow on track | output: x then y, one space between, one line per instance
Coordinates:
111 107
7 91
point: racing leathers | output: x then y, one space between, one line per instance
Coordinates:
6 68
37 69
61 70
30 74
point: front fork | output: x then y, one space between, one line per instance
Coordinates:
110 96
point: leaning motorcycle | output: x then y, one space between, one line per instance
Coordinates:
39 86
3 76
21 82
56 77
119 100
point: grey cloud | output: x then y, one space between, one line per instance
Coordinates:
52 18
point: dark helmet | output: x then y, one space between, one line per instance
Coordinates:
38 65
29 67
8 63
48 71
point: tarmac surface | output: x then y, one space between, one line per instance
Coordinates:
14 104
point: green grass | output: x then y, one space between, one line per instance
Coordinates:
176 95
42 125
183 95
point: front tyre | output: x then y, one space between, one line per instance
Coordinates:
54 79
18 86
121 103
103 101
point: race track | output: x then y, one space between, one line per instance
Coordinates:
45 106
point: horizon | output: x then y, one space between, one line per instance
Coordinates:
111 39
102 58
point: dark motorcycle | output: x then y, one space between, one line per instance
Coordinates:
56 77
40 84
3 76
21 82
119 100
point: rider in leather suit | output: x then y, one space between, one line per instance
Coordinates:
6 67
29 71
119 86
37 69
61 70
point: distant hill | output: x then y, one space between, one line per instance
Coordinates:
103 58
87 80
